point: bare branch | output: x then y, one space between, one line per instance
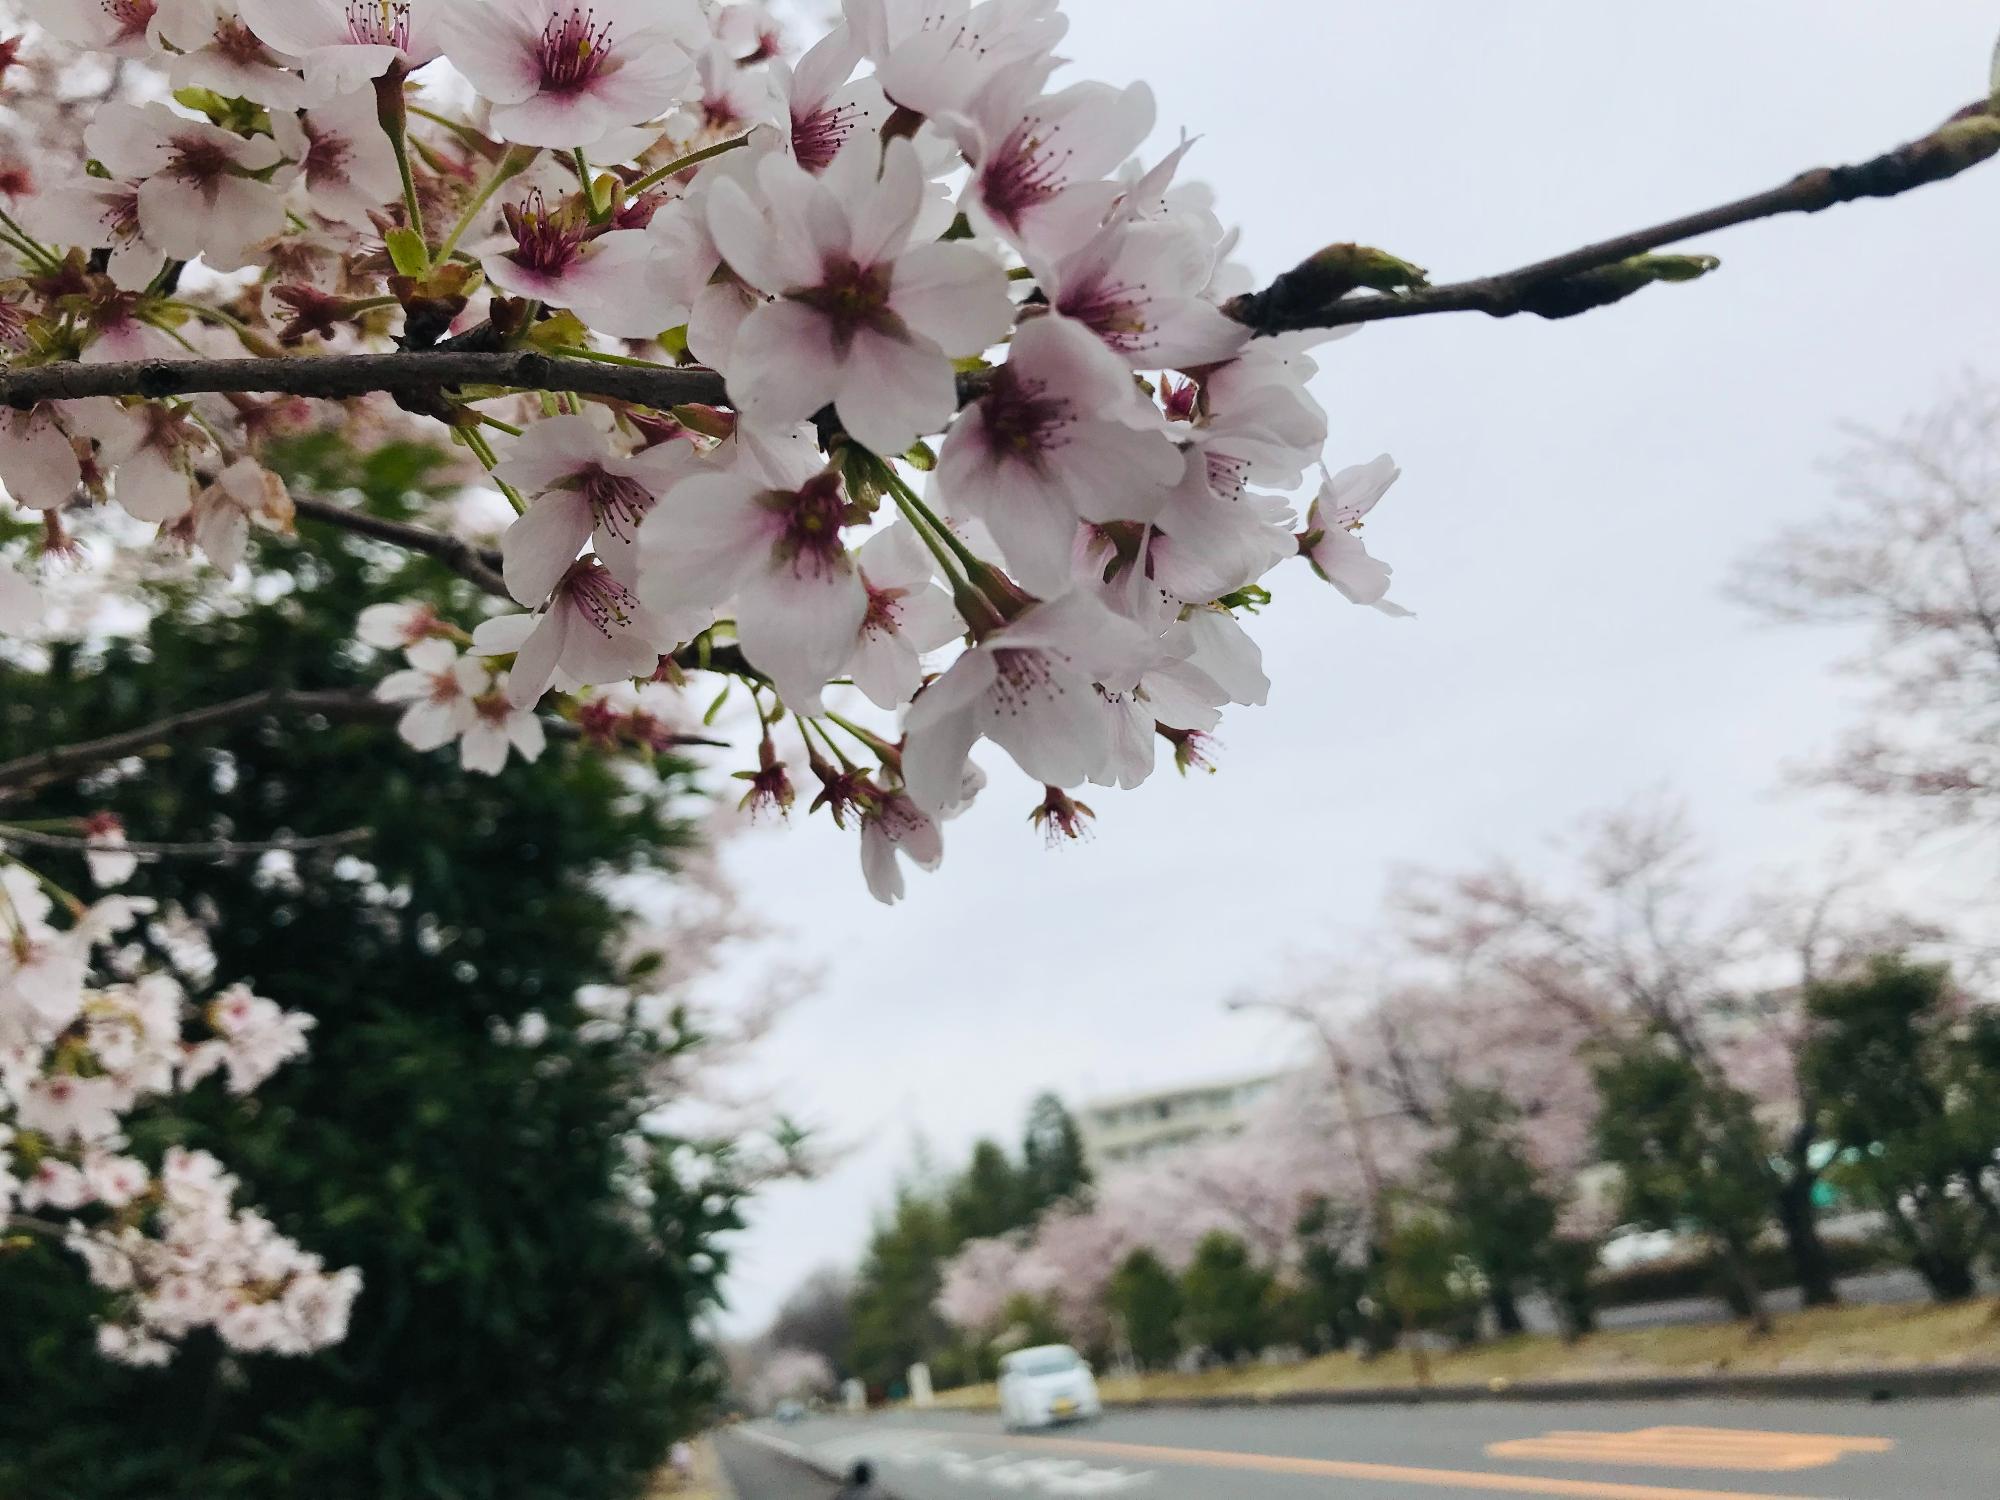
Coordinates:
350 706
413 373
480 565
152 853
60 760
1317 293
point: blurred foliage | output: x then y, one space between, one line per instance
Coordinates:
895 1323
1325 1304
1504 1210
1909 1084
528 1323
1690 1154
1229 1303
1145 1301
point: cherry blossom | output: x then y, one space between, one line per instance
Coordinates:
612 280
594 630
766 534
824 109
348 165
566 74
345 44
98 214
893 825
395 627
897 363
1139 287
1041 160
78 1052
1036 688
214 49
582 490
907 616
500 726
439 687
120 28
934 57
37 462
1060 435
860 318
243 493
1336 552
199 194
110 863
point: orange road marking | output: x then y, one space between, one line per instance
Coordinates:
1741 1449
1332 1468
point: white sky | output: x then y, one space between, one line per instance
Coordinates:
1573 495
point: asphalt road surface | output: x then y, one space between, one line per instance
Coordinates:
1661 1450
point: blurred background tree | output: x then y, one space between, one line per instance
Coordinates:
1229 1301
1910 1079
1145 1303
537 1264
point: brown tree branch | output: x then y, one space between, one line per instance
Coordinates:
480 565
406 373
59 760
342 706
1318 292
150 853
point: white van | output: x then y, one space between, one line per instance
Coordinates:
1045 1385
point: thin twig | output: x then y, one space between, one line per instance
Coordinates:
341 706
152 852
479 564
59 760
408 372
1317 294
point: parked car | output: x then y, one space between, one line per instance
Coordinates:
1045 1385
789 1411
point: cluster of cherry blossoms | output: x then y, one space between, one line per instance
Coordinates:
983 450
93 1024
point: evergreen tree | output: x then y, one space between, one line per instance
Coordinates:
1145 1302
1489 1187
990 1197
1910 1089
527 1326
1691 1155
1324 1308
1230 1301
1052 1154
895 1321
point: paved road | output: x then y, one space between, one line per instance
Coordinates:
1666 1450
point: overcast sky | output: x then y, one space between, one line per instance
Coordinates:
1573 496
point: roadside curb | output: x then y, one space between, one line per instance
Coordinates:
804 1458
1829 1385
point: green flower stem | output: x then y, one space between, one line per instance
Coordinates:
680 164
599 356
28 245
393 110
517 160
482 450
971 561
